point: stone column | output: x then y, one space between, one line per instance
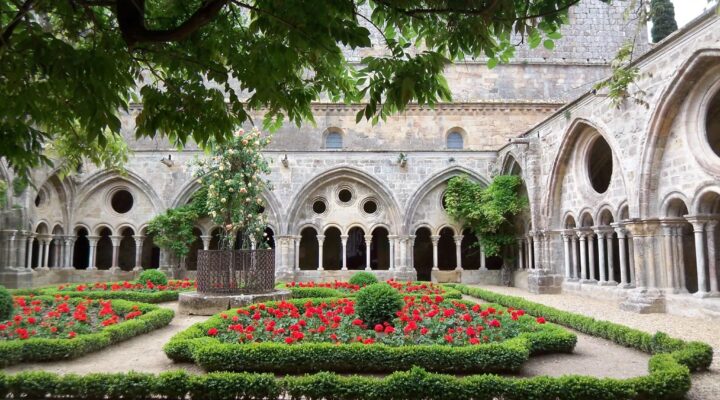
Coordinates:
296 244
320 239
205 240
529 251
411 243
21 249
521 261
679 259
368 242
622 243
68 259
57 250
29 258
668 256
566 235
482 257
139 239
9 246
712 256
92 253
575 264
536 250
403 240
610 241
700 256
601 255
435 239
391 241
343 240
46 251
583 255
630 243
591 257
458 252
115 252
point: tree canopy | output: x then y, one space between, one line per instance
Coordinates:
69 68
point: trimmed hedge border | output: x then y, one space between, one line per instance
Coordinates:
507 356
322 292
669 378
144 297
43 349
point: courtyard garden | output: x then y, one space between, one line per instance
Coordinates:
401 340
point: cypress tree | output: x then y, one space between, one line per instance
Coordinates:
662 15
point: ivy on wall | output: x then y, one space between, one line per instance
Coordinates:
487 211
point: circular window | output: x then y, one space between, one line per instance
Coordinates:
344 195
600 165
40 199
370 207
121 201
712 124
443 200
319 207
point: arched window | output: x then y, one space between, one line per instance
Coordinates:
333 140
454 141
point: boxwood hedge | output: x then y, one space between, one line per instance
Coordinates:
318 292
213 355
44 349
130 295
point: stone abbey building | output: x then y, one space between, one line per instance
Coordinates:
624 201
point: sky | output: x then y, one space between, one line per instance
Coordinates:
687 10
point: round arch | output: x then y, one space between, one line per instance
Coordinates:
130 178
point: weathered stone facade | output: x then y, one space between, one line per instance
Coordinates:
624 202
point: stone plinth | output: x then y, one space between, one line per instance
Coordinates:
644 301
481 277
339 275
16 279
194 303
541 281
446 276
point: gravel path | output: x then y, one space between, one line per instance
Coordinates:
142 353
706 385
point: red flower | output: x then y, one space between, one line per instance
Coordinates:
439 299
212 331
357 322
467 317
449 338
297 335
72 334
540 320
474 341
494 323
423 331
289 340
379 328
389 330
449 312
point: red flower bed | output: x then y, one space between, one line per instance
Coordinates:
59 318
415 288
423 320
184 284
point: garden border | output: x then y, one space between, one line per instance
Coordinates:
323 292
129 295
46 349
211 354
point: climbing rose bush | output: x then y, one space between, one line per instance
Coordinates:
59 319
422 320
184 284
234 183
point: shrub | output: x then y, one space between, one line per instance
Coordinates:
363 278
378 303
6 304
154 276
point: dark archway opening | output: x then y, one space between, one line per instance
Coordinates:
197 244
81 251
600 165
380 249
126 258
103 259
446 250
356 249
423 254
332 249
308 249
470 250
150 253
